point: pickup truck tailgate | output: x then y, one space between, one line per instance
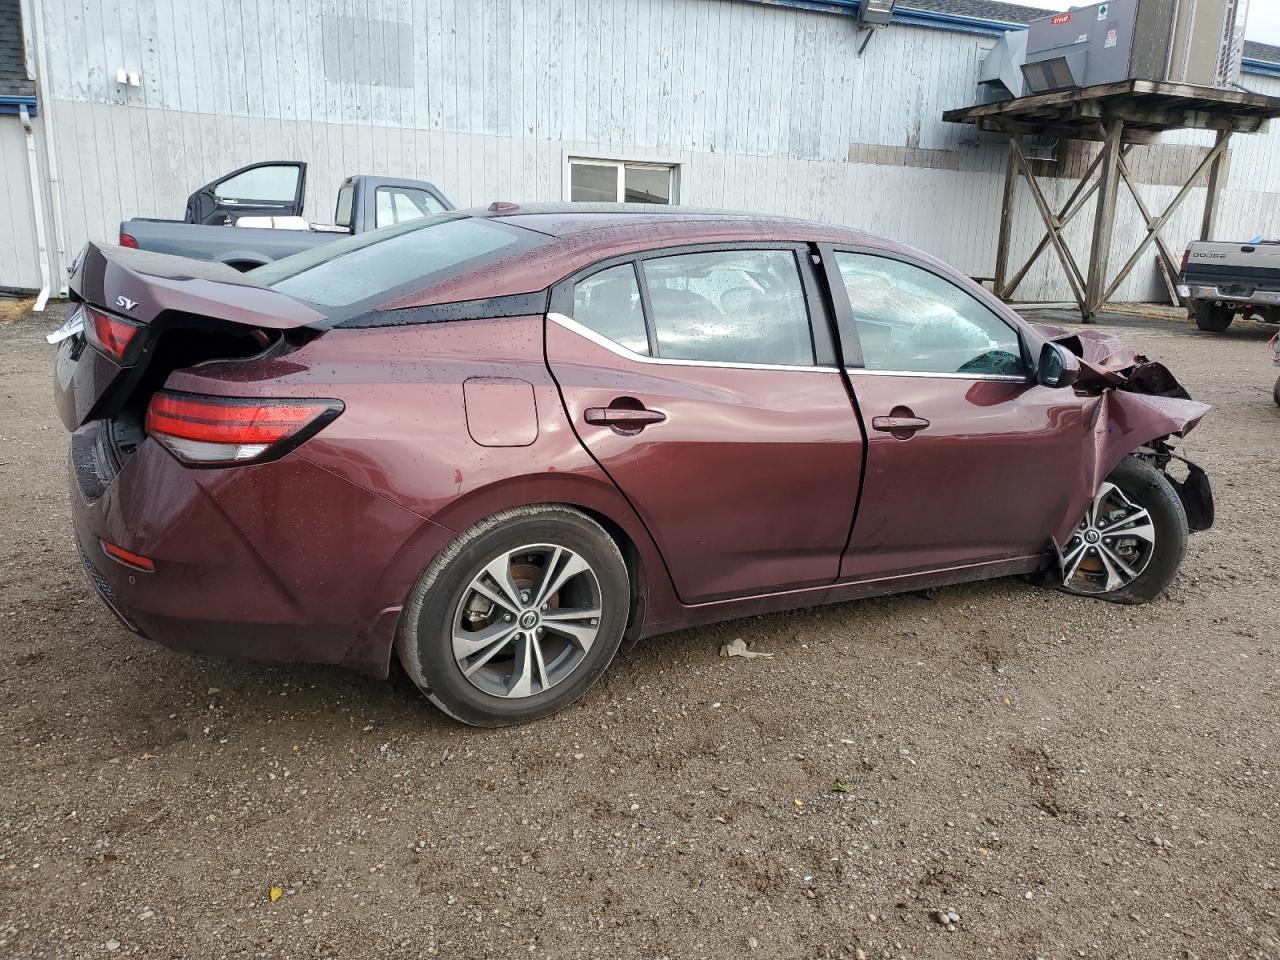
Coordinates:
1242 267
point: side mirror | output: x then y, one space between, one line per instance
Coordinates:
1058 366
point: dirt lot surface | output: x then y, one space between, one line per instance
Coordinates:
1069 778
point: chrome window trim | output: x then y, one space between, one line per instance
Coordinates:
616 348
1008 378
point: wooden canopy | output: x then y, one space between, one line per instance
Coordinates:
1121 116
1147 107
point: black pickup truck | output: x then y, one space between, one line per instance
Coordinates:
1222 280
253 215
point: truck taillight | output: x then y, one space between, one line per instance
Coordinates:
128 241
1186 255
220 431
112 335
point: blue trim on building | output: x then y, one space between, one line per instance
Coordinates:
12 105
953 22
930 19
1264 67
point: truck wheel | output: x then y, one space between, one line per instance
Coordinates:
1275 392
1131 540
1211 318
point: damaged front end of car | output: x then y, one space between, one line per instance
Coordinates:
1137 408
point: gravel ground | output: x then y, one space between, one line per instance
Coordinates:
986 771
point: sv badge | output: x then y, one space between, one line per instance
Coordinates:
126 303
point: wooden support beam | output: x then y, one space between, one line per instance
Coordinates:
1055 233
1104 224
1217 179
1006 216
1075 203
1154 228
1065 130
1171 265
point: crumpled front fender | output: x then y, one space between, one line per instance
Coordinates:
1130 402
1120 422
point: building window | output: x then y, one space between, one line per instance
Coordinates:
616 181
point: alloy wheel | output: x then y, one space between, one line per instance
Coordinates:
527 620
1112 545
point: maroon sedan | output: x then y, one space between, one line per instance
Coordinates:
498 443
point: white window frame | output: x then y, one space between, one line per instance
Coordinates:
620 165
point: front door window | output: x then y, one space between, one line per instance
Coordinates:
914 321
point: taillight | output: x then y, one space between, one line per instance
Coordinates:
113 335
128 241
1186 255
219 431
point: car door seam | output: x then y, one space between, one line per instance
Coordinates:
823 278
568 415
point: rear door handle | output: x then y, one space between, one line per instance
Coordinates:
622 417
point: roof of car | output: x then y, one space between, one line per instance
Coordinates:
581 235
565 220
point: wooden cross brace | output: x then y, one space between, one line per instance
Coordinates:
1088 290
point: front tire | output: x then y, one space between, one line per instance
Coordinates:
1131 540
1212 318
517 617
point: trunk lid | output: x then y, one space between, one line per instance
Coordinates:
179 312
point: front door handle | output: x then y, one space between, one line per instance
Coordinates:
623 419
902 425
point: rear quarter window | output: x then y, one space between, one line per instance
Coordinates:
357 273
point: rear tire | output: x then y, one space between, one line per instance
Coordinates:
1212 318
1132 540
1275 392
492 652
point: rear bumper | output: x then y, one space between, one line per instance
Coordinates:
281 561
1259 298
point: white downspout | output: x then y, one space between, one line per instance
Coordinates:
37 206
45 92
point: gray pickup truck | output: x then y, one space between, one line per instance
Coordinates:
1223 280
253 215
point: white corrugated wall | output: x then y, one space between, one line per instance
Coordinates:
19 251
762 106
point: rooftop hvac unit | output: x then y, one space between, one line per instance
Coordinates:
1180 41
1001 75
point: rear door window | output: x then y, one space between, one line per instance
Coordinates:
730 306
609 303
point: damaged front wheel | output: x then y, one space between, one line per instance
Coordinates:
1131 541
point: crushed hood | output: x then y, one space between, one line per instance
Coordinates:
1107 361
